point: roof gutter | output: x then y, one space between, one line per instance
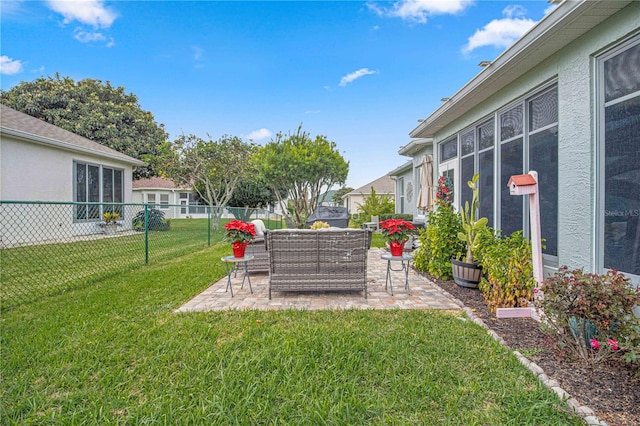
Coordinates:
69 147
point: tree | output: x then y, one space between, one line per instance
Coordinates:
375 205
212 168
338 196
298 168
94 110
251 192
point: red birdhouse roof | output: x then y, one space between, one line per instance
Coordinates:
522 180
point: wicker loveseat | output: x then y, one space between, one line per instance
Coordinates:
318 260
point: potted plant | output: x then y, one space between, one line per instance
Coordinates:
110 224
468 273
320 225
240 234
396 232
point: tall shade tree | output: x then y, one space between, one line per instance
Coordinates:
212 168
299 169
95 110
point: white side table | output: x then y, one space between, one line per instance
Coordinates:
404 267
231 259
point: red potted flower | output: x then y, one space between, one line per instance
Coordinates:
396 232
240 234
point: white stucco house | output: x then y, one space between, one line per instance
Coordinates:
174 200
563 100
384 185
42 162
407 177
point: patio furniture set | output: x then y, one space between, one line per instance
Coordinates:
305 260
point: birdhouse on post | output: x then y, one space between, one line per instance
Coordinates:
522 185
527 185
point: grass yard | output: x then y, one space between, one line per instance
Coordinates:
114 353
30 272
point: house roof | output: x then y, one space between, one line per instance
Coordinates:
382 185
414 147
401 169
566 23
328 196
155 183
23 126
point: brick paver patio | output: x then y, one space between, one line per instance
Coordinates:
423 293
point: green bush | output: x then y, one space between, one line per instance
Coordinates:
374 204
439 243
508 271
156 220
590 315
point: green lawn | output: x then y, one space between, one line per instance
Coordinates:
115 353
30 272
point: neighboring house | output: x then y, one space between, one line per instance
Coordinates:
563 100
175 201
408 176
383 186
42 162
326 199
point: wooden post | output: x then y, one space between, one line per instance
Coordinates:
536 244
523 185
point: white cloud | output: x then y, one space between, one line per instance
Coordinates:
514 10
197 52
89 12
501 32
356 75
92 37
87 37
260 134
419 10
10 66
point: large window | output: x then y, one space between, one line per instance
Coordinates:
619 78
543 158
190 199
486 169
511 163
96 184
526 139
476 147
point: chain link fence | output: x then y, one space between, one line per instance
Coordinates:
47 248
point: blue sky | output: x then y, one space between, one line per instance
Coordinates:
361 73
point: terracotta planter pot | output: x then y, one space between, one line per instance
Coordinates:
465 274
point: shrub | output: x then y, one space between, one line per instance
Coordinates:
156 221
439 243
590 315
374 204
508 271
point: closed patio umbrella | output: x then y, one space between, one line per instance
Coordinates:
425 199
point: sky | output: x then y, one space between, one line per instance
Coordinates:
360 73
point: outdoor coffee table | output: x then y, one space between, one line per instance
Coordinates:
404 267
236 260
